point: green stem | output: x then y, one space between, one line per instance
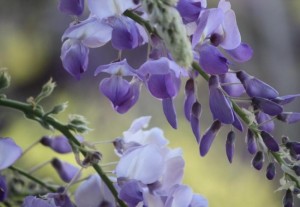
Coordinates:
25 174
32 113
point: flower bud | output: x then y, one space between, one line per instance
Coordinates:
230 145
47 90
271 171
251 142
288 199
4 79
258 160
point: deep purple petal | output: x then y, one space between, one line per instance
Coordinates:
188 10
230 145
220 106
289 117
209 137
131 98
195 120
169 111
258 160
211 60
267 106
190 98
251 142
242 53
74 57
3 188
71 7
9 152
282 100
237 123
269 141
255 87
125 34
265 122
131 193
271 171
288 199
65 170
60 199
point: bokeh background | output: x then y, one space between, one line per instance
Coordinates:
30 41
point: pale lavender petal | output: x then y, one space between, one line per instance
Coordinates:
220 106
269 141
267 106
230 145
232 36
104 9
190 98
144 163
121 68
233 86
258 160
255 87
71 7
242 53
198 201
91 32
9 152
65 170
32 201
180 195
125 34
265 122
93 192
3 188
74 57
210 20
195 120
211 60
169 111
289 117
209 137
59 144
131 192
251 142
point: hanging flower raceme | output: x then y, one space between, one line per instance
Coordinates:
122 93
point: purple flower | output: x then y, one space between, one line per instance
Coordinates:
251 142
271 171
190 98
162 78
59 144
3 188
237 123
220 106
231 84
131 192
209 137
65 170
9 152
269 141
195 120
180 195
125 34
289 117
267 106
189 10
74 57
242 53
265 122
32 201
288 199
122 94
255 87
71 7
258 160
230 145
94 193
283 100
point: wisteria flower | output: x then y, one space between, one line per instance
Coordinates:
9 152
122 93
71 7
162 78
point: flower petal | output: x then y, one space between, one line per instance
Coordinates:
242 53
169 111
209 137
9 152
65 170
71 7
269 141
